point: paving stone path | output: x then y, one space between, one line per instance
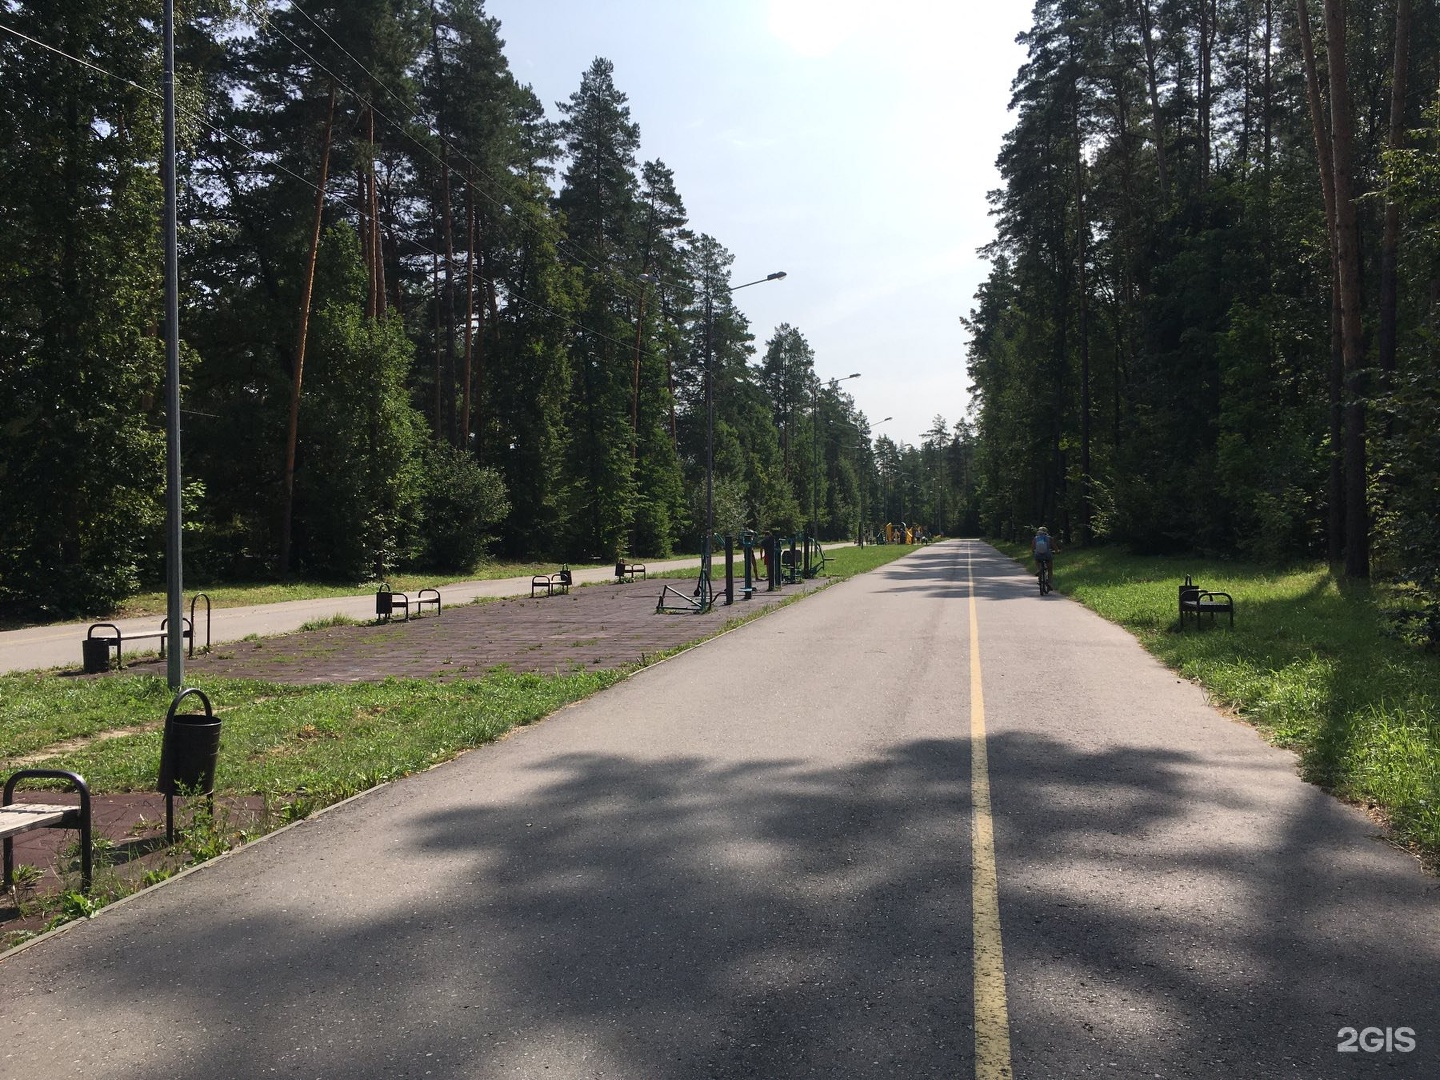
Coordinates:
591 627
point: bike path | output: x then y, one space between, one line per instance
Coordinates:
756 859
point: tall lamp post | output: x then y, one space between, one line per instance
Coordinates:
815 443
865 482
702 586
174 583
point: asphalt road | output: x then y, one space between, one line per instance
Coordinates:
760 859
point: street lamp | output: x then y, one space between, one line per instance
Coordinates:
174 580
702 587
815 444
865 482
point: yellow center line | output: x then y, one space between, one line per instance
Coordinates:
992 1015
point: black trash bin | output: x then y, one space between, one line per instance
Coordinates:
189 752
95 649
1189 591
96 654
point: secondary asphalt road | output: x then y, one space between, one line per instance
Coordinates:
771 857
58 645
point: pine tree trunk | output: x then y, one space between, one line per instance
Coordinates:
438 422
1347 250
449 295
362 190
377 242
1152 79
1207 37
1390 246
307 291
635 391
1320 124
466 403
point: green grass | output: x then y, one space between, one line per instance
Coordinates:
846 562
297 748
1309 663
328 622
247 594
320 742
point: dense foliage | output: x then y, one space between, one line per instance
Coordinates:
1184 342
422 322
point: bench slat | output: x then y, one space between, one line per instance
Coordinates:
22 817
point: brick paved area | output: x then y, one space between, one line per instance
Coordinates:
595 626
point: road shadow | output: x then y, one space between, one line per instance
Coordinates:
681 919
1172 919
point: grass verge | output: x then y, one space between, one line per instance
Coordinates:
324 742
1310 663
846 562
286 751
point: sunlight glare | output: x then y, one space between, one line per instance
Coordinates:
814 28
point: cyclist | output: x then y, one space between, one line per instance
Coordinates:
1043 548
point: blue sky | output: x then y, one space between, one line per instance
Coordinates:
849 144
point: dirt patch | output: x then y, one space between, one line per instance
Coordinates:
72 745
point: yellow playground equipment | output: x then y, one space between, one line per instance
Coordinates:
903 534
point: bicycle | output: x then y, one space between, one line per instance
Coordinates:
1045 574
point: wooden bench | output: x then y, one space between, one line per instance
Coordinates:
1197 601
427 597
16 818
626 571
551 583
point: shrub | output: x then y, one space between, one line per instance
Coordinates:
461 502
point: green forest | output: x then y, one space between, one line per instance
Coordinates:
426 322
1210 321
422 324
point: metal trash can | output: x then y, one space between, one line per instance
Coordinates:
1189 591
95 652
189 752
